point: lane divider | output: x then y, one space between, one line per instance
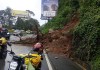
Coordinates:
47 60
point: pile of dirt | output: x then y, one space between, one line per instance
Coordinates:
59 41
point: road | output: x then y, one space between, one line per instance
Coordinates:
57 64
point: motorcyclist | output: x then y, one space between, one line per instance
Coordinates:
4 32
3 42
38 47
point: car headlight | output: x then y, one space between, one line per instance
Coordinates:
13 65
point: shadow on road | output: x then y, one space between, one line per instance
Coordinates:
2 64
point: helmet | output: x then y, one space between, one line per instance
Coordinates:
38 45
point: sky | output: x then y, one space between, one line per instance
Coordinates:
33 5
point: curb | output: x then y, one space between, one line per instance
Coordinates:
47 60
80 66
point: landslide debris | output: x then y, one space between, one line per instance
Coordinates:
59 41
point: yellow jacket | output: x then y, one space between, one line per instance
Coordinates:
4 41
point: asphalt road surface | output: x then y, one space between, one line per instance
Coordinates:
47 63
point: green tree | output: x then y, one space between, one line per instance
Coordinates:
30 12
19 24
33 25
8 17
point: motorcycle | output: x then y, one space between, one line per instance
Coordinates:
30 61
3 48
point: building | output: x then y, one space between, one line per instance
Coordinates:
25 15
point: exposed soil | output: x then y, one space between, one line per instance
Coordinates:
59 41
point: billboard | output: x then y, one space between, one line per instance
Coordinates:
19 13
48 8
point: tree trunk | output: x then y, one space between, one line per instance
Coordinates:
37 33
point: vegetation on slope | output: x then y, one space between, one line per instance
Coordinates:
86 35
65 12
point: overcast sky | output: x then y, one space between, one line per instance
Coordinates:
33 5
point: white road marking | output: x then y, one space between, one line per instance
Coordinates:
47 60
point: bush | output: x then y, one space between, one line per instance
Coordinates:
86 36
96 63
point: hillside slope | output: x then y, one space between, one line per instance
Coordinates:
59 41
78 37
